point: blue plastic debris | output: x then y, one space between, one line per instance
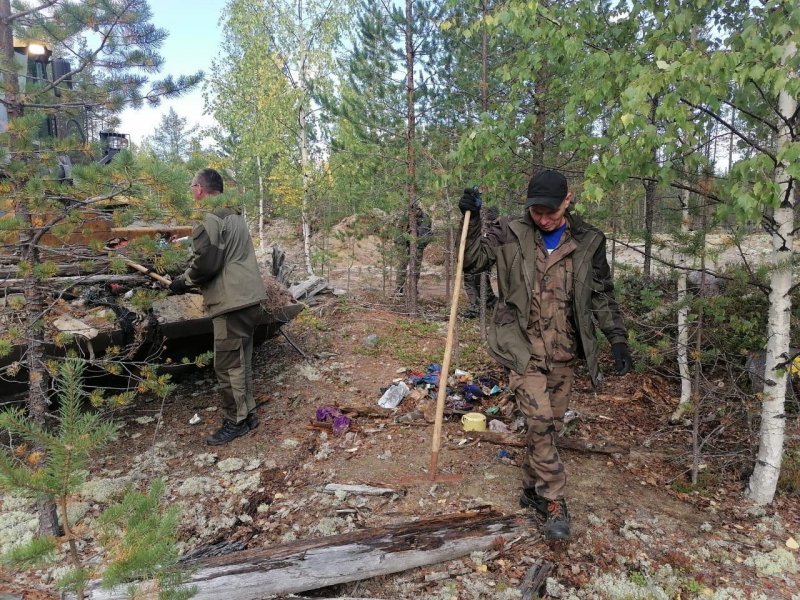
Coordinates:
503 453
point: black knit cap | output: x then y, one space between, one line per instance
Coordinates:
547 188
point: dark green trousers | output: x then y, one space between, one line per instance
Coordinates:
233 360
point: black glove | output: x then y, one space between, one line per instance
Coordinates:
623 363
470 201
178 286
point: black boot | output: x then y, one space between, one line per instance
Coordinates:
530 499
252 421
557 525
228 432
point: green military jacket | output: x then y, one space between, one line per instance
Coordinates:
511 245
224 263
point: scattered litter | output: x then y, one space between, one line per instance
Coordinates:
195 419
330 414
394 395
473 422
410 417
792 544
289 443
498 426
570 415
431 375
495 390
503 453
492 410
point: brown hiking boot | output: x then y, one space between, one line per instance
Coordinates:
557 525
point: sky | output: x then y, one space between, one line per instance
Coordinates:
194 40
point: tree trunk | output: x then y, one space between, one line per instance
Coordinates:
683 319
484 277
764 480
262 242
304 162
650 188
10 84
411 184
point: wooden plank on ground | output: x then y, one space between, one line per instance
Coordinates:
312 564
361 490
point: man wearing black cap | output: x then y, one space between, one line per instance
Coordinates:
554 285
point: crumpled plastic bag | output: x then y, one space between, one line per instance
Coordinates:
330 414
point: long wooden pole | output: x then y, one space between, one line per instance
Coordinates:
448 350
142 269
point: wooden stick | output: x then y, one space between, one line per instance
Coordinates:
448 351
142 269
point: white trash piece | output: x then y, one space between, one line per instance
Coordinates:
394 395
195 419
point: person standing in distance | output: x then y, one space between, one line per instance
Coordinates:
224 267
554 284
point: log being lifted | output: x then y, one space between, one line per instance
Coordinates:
312 564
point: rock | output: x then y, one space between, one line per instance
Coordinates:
246 519
144 420
289 443
371 341
229 465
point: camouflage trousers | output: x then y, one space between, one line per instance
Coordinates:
543 398
233 360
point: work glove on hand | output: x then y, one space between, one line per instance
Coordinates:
623 362
470 201
178 286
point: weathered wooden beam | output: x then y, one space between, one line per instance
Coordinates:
535 579
516 440
312 564
362 490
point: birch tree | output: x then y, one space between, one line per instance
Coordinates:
290 46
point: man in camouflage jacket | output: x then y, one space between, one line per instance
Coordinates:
224 267
554 284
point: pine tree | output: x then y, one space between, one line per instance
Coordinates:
172 140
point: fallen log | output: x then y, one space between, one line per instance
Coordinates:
308 288
516 440
312 564
79 280
533 584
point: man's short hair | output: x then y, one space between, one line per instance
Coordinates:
211 181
